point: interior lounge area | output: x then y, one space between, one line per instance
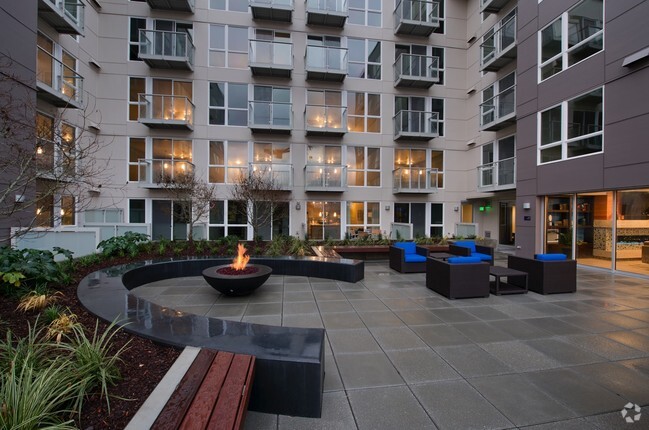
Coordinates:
607 229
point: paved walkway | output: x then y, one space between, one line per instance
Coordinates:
401 356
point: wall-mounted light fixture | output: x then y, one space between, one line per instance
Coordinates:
297 206
456 208
387 207
526 206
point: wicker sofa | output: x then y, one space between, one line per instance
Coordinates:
458 278
546 277
407 257
469 248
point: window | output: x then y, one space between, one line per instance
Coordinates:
323 220
68 211
231 5
364 58
576 35
273 160
136 86
323 154
405 158
228 46
228 218
363 166
442 18
498 100
136 211
45 146
418 122
57 68
572 129
137 24
437 220
55 147
365 12
228 161
137 151
324 110
271 105
228 104
437 162
363 219
498 162
417 67
173 107
56 211
364 112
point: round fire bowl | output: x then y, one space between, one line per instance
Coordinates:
236 285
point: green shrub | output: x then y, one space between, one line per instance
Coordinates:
29 268
122 246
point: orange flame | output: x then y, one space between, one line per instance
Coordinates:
240 261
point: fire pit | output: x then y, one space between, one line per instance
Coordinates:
238 278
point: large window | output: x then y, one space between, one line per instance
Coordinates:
405 158
363 166
55 146
498 163
364 112
228 161
174 107
574 36
228 46
498 100
363 219
136 151
437 220
228 218
572 129
364 59
137 24
231 5
415 122
137 211
365 12
228 104
271 105
323 220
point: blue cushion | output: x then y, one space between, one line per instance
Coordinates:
463 260
551 257
408 247
466 244
414 258
481 256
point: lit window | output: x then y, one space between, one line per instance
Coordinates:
363 166
363 112
363 219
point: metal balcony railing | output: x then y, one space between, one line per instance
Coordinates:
325 177
270 116
66 16
498 48
499 111
166 111
410 124
167 49
412 70
497 175
269 58
274 10
326 63
416 17
281 174
414 180
325 120
57 82
332 13
159 173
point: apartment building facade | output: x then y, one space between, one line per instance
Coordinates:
372 115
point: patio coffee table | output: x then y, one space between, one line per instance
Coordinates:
441 255
498 287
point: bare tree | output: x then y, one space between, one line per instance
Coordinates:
48 159
260 195
192 197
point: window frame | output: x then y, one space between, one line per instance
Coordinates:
241 167
365 169
366 116
226 101
431 224
227 6
366 59
352 229
226 47
366 11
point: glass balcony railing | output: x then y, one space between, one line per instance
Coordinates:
326 60
498 43
497 175
158 173
166 111
270 116
416 125
411 69
268 58
58 82
167 49
414 180
325 119
280 174
66 16
325 177
416 17
327 12
498 111
274 10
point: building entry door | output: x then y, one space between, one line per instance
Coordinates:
161 219
507 233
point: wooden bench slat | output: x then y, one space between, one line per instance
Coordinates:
176 407
229 405
201 408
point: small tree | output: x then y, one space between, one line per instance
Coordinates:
260 194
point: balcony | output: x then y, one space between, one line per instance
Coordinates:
325 177
499 48
167 49
176 5
267 58
418 180
325 120
165 111
164 173
65 16
416 71
496 176
326 63
416 17
58 83
499 111
270 117
332 13
416 125
492 6
272 10
281 175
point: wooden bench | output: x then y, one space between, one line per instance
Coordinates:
325 251
213 394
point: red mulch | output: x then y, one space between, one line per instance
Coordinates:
229 271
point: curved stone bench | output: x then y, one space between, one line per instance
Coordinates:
289 375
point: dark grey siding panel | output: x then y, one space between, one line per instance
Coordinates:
580 174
